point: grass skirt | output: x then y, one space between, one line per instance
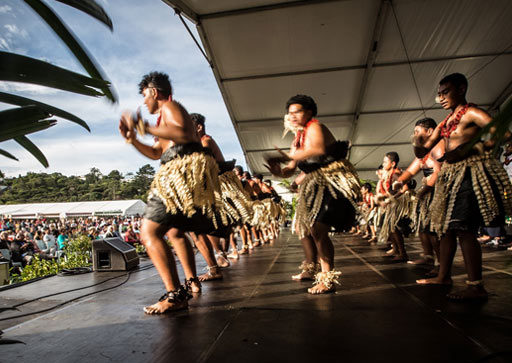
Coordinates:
188 184
486 172
337 180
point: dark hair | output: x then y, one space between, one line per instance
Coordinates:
158 80
427 123
240 169
268 182
197 118
456 79
380 167
247 175
305 101
368 186
393 156
258 176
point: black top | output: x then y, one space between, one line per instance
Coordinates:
427 172
182 150
334 152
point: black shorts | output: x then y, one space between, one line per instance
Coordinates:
338 212
157 212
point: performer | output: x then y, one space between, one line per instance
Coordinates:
368 211
235 203
329 190
398 208
430 168
185 193
471 187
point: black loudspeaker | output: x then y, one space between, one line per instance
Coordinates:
113 254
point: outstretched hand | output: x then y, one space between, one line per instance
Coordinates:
127 126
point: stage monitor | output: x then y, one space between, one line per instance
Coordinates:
113 254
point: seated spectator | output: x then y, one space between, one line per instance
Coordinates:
130 236
21 250
62 239
50 242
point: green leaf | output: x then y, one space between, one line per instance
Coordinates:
33 149
18 68
25 114
8 155
37 126
22 101
91 8
20 121
71 42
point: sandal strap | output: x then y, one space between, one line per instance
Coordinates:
179 295
189 282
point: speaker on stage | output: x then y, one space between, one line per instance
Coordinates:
113 254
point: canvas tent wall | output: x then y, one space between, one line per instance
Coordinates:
372 65
74 209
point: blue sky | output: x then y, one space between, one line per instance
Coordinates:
147 36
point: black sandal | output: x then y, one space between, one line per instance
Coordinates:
189 282
176 296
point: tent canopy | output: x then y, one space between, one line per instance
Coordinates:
74 209
372 66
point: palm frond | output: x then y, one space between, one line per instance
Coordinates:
33 149
91 8
8 155
72 43
22 101
19 68
24 120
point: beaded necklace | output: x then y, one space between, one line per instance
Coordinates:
298 142
425 158
447 129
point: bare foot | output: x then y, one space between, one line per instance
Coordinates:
304 275
222 260
320 288
234 255
422 261
212 274
169 302
435 281
472 292
244 251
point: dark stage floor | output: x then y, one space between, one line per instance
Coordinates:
258 314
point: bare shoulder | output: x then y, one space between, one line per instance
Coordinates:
477 115
174 112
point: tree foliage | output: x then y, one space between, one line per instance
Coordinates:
55 187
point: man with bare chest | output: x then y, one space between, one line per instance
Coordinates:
430 167
185 193
469 189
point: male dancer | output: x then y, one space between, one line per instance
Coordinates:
430 166
176 201
316 152
398 206
470 188
235 203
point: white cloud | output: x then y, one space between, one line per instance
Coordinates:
157 42
4 44
5 9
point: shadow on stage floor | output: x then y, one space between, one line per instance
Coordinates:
258 314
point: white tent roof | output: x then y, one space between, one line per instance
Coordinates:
74 209
372 66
